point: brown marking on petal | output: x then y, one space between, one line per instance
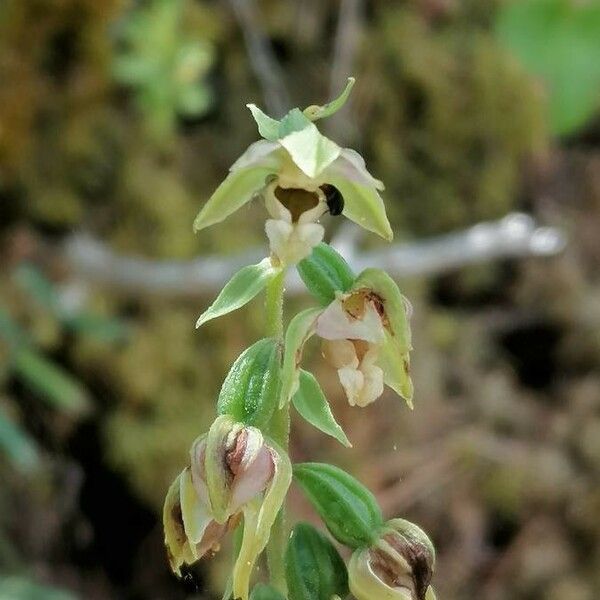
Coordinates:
235 455
406 366
354 304
361 347
418 557
296 200
379 305
177 518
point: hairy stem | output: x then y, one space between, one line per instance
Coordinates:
279 429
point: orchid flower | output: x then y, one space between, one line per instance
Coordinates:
301 175
365 336
233 471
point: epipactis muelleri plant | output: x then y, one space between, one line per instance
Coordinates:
239 471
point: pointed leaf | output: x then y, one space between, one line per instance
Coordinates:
363 205
311 151
347 507
267 127
240 289
314 569
265 592
324 273
299 330
320 112
311 403
17 444
238 188
52 382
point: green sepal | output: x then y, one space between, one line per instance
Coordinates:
312 405
348 508
267 126
239 187
363 205
315 112
309 149
313 567
250 391
259 516
299 330
324 273
178 548
394 355
265 592
240 289
218 476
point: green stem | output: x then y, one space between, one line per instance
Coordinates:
274 306
279 429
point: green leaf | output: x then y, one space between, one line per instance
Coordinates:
53 383
363 205
315 112
299 330
311 151
267 127
265 592
314 569
240 289
250 391
347 507
311 403
238 188
558 41
15 442
324 273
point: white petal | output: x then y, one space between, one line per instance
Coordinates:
262 153
335 324
340 353
351 165
292 243
372 386
314 214
278 233
352 381
274 207
253 479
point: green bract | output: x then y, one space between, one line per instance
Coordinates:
311 403
314 569
324 273
240 289
250 391
347 507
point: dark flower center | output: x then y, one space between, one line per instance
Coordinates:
296 200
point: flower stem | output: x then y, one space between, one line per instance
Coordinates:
274 306
279 429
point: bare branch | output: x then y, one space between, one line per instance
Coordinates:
514 236
262 58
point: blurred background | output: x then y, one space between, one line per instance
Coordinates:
118 119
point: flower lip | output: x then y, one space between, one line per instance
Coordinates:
297 200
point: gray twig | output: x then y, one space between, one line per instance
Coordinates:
262 58
517 235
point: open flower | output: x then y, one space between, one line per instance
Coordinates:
365 336
233 471
398 566
301 175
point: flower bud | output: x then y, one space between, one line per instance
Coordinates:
398 566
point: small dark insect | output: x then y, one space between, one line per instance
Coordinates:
189 579
334 199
